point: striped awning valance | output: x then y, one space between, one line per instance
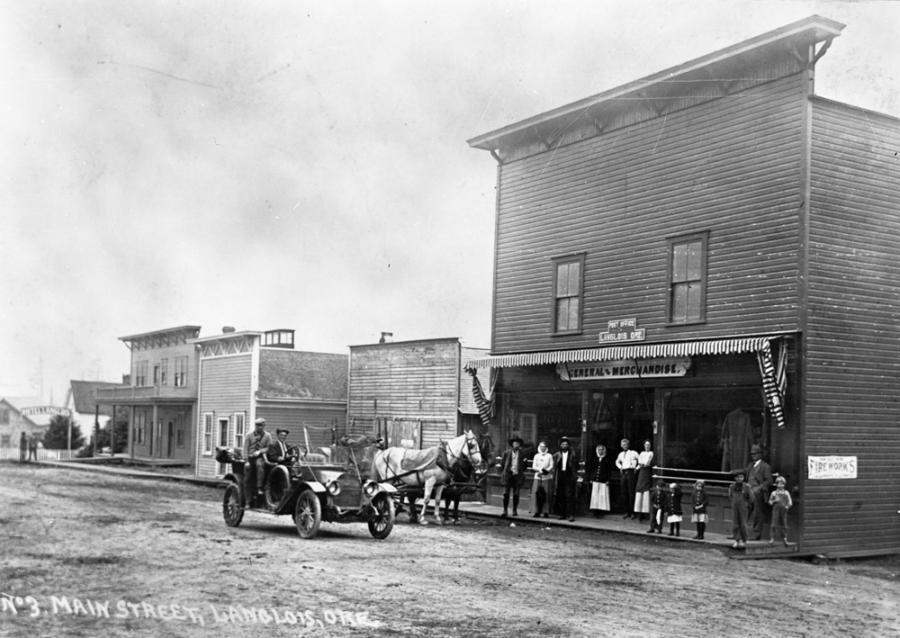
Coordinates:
617 353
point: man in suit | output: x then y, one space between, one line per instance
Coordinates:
759 479
256 444
566 476
512 474
278 450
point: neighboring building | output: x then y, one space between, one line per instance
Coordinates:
246 375
14 421
414 393
656 241
86 409
162 397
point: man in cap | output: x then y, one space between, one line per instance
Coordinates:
278 451
566 476
759 478
256 445
512 474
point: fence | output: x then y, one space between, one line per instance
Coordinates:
43 454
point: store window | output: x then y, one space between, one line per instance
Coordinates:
687 278
712 429
567 294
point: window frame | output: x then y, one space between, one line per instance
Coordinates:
681 240
141 368
239 429
179 377
573 258
207 429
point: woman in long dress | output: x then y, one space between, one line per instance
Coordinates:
602 471
644 482
542 485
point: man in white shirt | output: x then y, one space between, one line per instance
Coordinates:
627 462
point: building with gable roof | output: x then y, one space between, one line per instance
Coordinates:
245 375
706 258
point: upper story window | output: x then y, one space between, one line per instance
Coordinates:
687 278
568 293
181 368
163 371
4 416
278 339
140 373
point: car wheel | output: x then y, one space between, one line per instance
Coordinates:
232 509
307 514
382 520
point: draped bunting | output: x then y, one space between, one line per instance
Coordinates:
485 405
774 380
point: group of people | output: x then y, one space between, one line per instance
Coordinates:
556 477
28 446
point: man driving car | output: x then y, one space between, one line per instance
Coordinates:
255 447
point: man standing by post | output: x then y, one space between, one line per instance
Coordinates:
566 467
255 448
627 462
759 478
512 474
32 446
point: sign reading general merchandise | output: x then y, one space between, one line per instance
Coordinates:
619 330
832 467
627 369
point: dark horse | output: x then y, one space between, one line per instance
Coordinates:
463 481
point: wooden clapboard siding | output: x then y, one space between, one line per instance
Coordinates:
729 166
413 380
318 419
224 389
853 371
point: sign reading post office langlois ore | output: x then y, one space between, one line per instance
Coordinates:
619 330
626 369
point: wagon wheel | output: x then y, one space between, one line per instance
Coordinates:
382 520
307 514
232 510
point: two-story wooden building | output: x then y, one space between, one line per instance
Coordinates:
245 375
162 396
709 257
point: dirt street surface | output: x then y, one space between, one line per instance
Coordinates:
87 554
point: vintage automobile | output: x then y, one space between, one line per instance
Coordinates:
311 488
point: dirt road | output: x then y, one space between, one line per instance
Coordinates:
85 554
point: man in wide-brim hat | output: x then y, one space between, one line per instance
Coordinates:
512 474
759 478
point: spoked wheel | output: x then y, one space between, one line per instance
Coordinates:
232 509
307 514
382 520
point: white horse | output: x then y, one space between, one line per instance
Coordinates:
431 468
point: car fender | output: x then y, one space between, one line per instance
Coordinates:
315 486
231 477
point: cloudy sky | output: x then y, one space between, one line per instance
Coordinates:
304 164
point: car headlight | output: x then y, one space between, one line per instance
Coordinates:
370 488
333 487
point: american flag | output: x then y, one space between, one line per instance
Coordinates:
485 405
774 379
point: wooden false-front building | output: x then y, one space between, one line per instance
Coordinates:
660 244
414 393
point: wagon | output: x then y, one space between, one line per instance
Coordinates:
311 488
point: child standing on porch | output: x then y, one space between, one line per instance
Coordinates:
673 509
740 497
781 502
698 509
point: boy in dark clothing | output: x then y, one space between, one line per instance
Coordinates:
657 507
673 509
740 497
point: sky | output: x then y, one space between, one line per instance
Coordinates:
304 164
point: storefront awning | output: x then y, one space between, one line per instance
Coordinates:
618 353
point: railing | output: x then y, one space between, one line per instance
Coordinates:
116 395
43 454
